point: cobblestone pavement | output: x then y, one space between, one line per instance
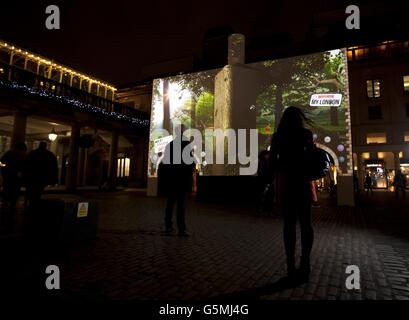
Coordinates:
232 252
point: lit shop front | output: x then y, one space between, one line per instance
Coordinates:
404 167
378 173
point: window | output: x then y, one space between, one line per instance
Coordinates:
66 78
76 82
406 84
84 85
373 88
101 91
110 95
94 88
406 137
374 112
123 167
366 155
376 138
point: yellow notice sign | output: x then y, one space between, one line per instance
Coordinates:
82 209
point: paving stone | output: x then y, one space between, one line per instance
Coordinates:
231 251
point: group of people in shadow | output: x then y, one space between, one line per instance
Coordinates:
294 193
33 171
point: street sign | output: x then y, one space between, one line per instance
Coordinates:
82 209
326 100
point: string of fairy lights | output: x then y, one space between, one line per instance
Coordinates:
73 102
13 49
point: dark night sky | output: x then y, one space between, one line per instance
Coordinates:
111 40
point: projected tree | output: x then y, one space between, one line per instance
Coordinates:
284 75
166 106
201 87
293 81
332 78
202 109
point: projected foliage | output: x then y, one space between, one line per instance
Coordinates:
191 98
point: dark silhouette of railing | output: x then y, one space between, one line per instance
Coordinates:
18 77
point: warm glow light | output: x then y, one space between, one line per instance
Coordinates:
376 138
52 135
123 167
127 162
42 60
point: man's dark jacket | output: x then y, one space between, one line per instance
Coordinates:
175 178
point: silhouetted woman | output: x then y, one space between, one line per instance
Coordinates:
294 193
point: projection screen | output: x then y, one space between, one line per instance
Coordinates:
254 96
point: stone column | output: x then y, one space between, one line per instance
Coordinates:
2 144
137 162
19 129
71 179
236 51
113 160
361 173
345 191
81 165
396 160
84 176
30 145
54 147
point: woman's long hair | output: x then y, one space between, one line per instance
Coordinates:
293 118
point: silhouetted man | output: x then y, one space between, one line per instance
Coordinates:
41 170
175 180
13 161
400 183
368 184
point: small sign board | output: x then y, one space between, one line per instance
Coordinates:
82 210
326 100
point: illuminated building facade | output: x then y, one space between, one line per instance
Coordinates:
96 139
379 87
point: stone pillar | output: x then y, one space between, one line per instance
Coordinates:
361 172
81 165
145 160
54 147
3 143
71 179
137 162
30 145
236 51
84 176
396 160
19 129
113 160
345 191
